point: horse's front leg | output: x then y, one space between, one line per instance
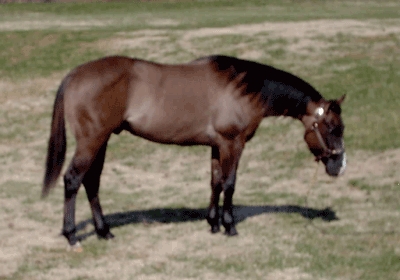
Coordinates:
229 162
216 188
228 220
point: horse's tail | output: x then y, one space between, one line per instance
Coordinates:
57 143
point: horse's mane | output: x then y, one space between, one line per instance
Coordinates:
283 91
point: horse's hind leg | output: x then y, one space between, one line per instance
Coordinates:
72 181
91 181
84 156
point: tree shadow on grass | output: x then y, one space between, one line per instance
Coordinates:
181 215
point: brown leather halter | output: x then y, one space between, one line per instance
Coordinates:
319 112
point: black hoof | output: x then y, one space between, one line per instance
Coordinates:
108 236
105 234
231 231
70 235
215 229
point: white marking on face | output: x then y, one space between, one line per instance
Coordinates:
342 169
319 112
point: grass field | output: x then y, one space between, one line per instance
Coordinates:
155 196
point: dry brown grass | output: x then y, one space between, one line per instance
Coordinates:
272 243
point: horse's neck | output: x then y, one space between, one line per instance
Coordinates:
286 99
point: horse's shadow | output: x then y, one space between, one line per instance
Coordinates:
181 215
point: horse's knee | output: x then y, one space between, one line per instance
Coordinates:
79 166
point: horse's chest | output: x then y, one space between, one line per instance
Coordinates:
236 115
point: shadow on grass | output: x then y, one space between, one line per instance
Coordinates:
181 215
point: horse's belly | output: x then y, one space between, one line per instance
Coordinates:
171 127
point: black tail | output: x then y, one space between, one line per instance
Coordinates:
57 144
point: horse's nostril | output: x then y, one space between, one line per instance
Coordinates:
335 164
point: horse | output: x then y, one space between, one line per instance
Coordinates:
216 101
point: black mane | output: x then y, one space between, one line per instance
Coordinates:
285 93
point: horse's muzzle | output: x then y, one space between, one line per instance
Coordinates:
335 165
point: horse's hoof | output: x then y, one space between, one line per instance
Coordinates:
106 236
231 232
76 248
104 233
215 229
109 236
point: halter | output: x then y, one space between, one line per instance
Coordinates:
319 112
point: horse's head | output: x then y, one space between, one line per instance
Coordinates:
324 134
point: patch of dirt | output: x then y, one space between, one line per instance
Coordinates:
46 24
309 38
302 29
163 22
303 37
377 168
19 235
35 23
29 89
132 43
293 273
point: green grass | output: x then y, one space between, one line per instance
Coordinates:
371 105
201 13
56 51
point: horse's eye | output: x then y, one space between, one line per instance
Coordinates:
329 127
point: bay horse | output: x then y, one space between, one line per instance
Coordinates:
217 101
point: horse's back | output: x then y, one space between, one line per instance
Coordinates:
190 103
182 104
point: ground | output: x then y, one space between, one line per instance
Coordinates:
155 196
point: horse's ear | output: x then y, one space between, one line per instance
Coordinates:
334 105
340 100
